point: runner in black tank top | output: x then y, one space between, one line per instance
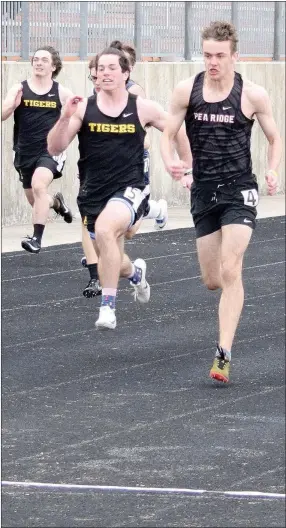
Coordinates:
111 155
90 259
157 210
219 135
33 119
224 188
111 130
218 108
36 105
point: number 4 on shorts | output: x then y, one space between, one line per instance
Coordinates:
250 197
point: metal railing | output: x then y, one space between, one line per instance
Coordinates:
169 30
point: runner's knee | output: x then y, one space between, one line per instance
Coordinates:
211 282
231 270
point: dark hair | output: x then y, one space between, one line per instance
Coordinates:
125 47
123 61
93 62
116 44
56 60
221 31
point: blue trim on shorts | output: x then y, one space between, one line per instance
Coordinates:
118 199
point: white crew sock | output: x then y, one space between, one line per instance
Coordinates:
155 209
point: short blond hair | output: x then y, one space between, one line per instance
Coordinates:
221 31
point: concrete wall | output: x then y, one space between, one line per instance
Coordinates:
158 80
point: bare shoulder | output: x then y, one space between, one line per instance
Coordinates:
149 111
186 83
64 93
148 105
256 94
183 90
136 89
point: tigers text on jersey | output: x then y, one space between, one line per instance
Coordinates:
34 118
111 153
219 135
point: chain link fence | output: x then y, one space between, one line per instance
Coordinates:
165 30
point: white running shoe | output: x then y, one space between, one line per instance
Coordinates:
161 221
107 319
142 290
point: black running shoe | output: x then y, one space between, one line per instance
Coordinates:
31 244
62 209
92 289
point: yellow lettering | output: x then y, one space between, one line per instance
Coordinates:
113 128
40 104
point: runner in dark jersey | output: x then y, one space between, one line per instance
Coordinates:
111 131
219 108
157 210
90 260
36 104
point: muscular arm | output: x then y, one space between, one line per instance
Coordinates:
136 89
64 131
183 146
263 112
155 116
152 113
174 122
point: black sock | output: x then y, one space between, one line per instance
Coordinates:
92 268
38 231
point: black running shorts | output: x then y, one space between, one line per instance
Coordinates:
223 204
26 166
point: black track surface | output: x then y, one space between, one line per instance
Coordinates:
135 407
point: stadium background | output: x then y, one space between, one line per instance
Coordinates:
167 40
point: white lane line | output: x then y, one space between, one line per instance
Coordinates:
142 489
77 270
68 299
78 246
